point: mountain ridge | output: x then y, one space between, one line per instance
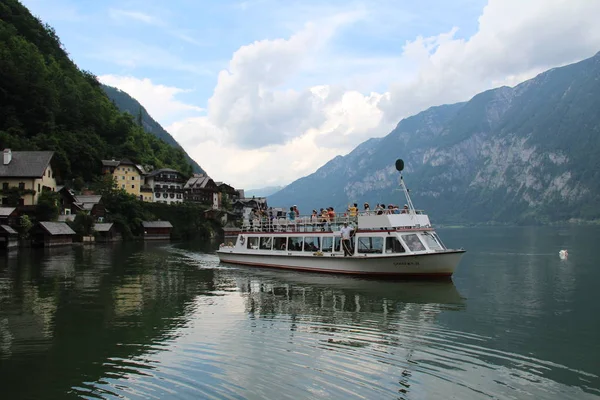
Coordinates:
523 154
127 103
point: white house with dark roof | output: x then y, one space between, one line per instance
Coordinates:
27 170
167 185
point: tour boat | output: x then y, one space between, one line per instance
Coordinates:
386 244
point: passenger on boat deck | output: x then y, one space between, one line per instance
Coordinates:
405 209
331 214
396 210
367 208
314 217
325 219
292 214
296 211
346 232
379 209
353 210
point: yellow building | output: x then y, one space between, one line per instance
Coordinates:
128 176
27 170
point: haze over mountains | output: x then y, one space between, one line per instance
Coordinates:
528 154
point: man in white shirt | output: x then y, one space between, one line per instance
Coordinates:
346 233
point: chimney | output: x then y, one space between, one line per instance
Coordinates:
7 156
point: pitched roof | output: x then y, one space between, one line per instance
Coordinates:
159 171
57 228
6 211
110 163
8 230
65 218
156 224
198 181
93 199
125 161
105 227
26 164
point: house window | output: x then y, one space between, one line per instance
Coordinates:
133 186
123 186
39 189
4 185
22 186
122 178
133 178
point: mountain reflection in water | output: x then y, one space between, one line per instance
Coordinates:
165 321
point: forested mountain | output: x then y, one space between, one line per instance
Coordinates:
47 103
126 103
528 154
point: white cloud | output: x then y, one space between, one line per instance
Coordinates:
259 132
515 41
159 100
128 15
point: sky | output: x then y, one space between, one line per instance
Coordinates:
263 92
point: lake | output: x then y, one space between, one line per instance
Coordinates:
166 320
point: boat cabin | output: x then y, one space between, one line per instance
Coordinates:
372 235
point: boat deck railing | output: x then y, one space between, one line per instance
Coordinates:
305 223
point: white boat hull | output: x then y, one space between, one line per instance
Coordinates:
439 264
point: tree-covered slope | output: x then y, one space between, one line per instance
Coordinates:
126 103
47 103
527 154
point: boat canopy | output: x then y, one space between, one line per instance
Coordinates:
393 221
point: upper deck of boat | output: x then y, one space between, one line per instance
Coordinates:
364 221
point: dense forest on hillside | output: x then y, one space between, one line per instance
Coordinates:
47 103
126 103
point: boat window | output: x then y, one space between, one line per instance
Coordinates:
338 243
253 243
311 244
280 243
327 243
393 245
413 242
370 245
265 243
294 244
431 242
437 238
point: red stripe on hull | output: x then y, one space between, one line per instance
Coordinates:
432 275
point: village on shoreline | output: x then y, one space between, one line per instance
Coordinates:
128 201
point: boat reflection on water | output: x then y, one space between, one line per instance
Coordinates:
270 291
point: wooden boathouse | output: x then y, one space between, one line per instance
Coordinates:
49 234
157 230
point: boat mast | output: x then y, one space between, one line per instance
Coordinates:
400 167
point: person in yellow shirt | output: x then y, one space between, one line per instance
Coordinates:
353 210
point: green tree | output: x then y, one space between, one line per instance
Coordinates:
104 185
83 224
48 206
25 226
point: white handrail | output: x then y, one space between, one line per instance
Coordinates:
309 223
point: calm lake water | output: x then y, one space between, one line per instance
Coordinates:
165 321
